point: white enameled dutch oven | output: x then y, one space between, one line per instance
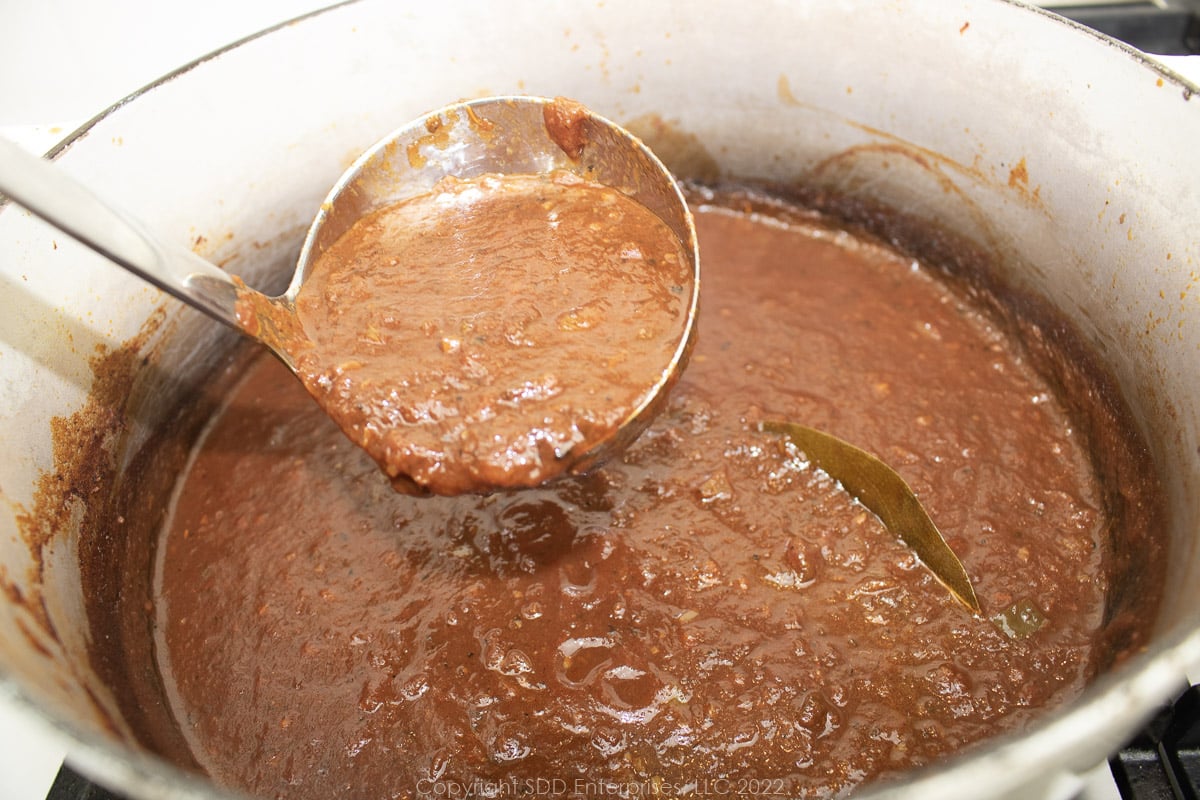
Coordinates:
1071 159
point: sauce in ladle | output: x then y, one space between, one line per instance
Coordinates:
491 298
491 332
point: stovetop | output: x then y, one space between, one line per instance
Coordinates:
1163 760
1164 27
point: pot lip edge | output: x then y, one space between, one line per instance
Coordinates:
1023 6
1141 58
114 764
1130 694
85 128
1126 697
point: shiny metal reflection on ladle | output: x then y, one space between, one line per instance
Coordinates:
500 135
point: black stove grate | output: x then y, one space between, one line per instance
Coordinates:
70 785
1163 761
1165 27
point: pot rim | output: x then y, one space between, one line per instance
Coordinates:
1008 760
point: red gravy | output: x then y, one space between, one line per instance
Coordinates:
706 612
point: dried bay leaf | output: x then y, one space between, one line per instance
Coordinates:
882 491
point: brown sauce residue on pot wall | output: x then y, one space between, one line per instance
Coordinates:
83 454
683 153
82 494
706 607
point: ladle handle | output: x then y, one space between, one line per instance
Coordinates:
49 192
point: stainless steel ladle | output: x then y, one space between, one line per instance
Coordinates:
504 135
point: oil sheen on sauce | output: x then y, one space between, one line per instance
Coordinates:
705 612
491 333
